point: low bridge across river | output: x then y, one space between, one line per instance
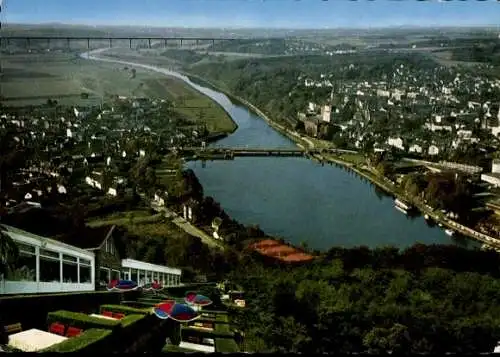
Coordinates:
228 153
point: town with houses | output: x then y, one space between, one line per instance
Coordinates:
54 155
446 119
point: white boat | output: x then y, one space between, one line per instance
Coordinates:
426 216
401 204
401 209
450 232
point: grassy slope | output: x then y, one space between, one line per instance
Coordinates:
139 223
33 78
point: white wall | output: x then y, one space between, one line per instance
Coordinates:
32 287
26 287
491 179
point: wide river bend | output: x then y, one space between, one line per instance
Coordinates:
297 198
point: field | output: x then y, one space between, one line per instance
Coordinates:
126 219
31 79
139 223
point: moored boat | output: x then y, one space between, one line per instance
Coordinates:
401 209
449 232
402 206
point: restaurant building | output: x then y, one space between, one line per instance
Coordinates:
46 265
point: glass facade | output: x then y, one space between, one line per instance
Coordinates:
147 276
53 266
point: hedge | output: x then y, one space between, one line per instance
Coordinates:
193 331
31 311
222 318
222 328
180 291
168 348
82 321
92 340
226 345
138 304
217 312
127 310
131 320
151 300
207 319
149 334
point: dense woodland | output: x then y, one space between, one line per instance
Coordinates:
424 299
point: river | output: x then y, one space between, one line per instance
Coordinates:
296 198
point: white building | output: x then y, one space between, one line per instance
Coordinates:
326 113
492 178
144 273
396 142
495 166
47 266
415 148
433 150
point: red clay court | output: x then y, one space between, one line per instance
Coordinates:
278 250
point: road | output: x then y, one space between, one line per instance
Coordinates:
186 226
207 239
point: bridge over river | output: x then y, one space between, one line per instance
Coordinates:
229 153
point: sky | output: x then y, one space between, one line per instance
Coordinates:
298 14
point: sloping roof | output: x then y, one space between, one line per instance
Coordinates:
13 230
89 238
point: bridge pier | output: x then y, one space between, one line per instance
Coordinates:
130 43
68 43
149 42
110 42
88 43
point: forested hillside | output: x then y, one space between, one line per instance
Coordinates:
273 84
424 299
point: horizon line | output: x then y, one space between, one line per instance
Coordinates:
409 26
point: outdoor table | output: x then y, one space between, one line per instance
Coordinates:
34 340
209 341
102 317
197 347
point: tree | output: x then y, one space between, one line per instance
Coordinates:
9 253
395 339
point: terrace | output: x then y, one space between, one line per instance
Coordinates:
116 322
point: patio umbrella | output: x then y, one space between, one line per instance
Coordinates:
122 285
177 312
193 298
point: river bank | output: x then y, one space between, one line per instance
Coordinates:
292 135
422 208
387 187
254 190
231 125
